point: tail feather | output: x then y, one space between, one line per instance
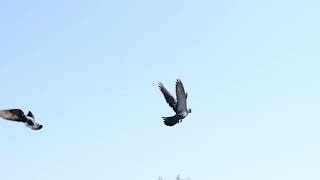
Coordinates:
171 121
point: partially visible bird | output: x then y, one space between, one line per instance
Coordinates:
18 116
179 106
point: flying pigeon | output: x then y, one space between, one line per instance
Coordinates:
19 116
179 106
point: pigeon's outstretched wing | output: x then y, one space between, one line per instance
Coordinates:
171 121
13 115
181 97
169 98
31 123
30 115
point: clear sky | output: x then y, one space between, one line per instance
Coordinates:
89 71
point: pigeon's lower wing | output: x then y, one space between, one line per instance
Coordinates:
169 98
12 115
171 121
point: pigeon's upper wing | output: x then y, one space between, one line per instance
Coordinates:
169 98
30 114
171 121
181 97
13 115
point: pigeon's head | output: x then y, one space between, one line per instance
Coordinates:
34 126
189 110
38 127
30 123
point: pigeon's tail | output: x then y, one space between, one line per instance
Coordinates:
171 121
33 125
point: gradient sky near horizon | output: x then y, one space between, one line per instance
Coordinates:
89 72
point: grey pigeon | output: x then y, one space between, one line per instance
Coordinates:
179 106
18 116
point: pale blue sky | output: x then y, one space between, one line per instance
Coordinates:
89 71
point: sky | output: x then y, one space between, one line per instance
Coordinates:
89 72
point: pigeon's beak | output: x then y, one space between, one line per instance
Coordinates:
35 127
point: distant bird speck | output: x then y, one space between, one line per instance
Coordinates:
19 116
179 106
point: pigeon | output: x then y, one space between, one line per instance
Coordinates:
19 116
179 106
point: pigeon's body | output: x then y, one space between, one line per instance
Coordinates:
18 116
179 106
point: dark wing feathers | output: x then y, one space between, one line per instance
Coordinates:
30 114
181 97
13 115
169 98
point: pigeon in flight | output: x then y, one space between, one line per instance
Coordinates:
179 106
19 116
